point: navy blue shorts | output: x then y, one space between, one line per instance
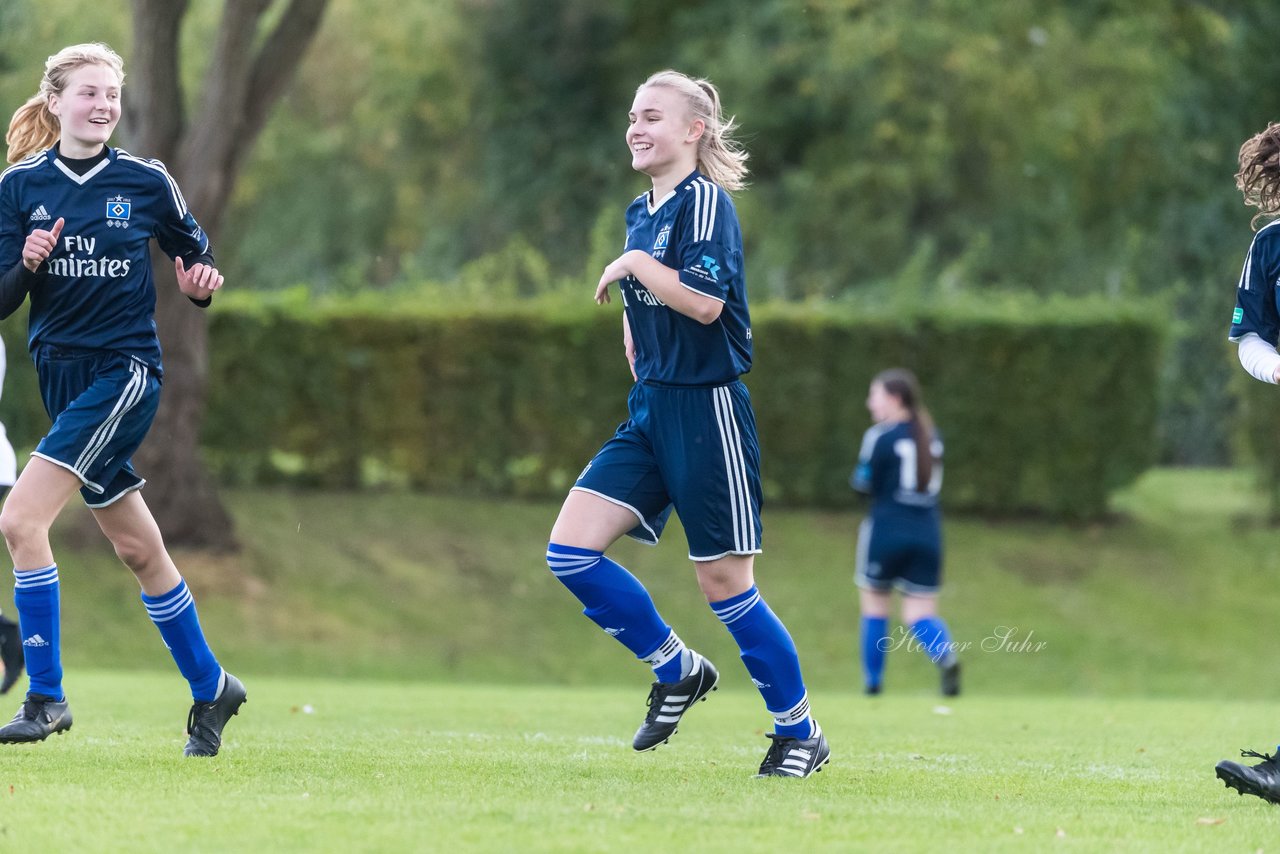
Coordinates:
102 404
899 553
691 449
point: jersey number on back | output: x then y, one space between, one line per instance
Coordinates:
906 452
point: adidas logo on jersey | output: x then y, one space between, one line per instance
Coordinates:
40 215
35 640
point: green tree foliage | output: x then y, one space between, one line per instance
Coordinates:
913 146
31 31
1058 147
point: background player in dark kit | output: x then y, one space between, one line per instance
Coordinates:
900 541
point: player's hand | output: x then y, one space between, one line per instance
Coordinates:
40 245
199 282
616 271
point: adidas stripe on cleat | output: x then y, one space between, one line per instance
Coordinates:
668 701
1261 780
795 757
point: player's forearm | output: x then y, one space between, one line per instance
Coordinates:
1259 358
15 283
664 283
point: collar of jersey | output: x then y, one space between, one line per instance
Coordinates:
682 184
81 179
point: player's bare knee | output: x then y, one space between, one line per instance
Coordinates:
916 608
134 552
19 528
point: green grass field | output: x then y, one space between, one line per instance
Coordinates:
418 681
326 765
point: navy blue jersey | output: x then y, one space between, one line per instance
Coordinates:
694 230
1256 293
887 471
95 291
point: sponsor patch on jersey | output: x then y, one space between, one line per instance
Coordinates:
712 266
1237 315
118 208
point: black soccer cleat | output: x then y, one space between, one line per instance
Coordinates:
951 679
206 720
10 653
40 717
668 701
1261 780
795 757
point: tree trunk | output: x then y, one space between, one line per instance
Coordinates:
205 157
179 491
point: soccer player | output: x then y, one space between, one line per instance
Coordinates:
900 541
690 441
10 653
1255 327
76 221
10 635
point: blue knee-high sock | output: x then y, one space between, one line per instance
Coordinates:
174 614
617 602
935 640
771 659
875 631
36 595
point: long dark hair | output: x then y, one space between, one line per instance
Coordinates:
903 385
1259 175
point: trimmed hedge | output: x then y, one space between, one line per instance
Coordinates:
1045 414
1044 409
1258 433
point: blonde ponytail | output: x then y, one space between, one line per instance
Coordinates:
720 157
33 128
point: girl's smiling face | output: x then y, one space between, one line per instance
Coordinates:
660 134
88 109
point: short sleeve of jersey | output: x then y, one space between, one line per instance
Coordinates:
708 243
1255 309
860 480
12 236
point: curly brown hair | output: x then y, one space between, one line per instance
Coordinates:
1259 175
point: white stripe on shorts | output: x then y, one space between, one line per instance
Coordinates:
128 399
744 532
